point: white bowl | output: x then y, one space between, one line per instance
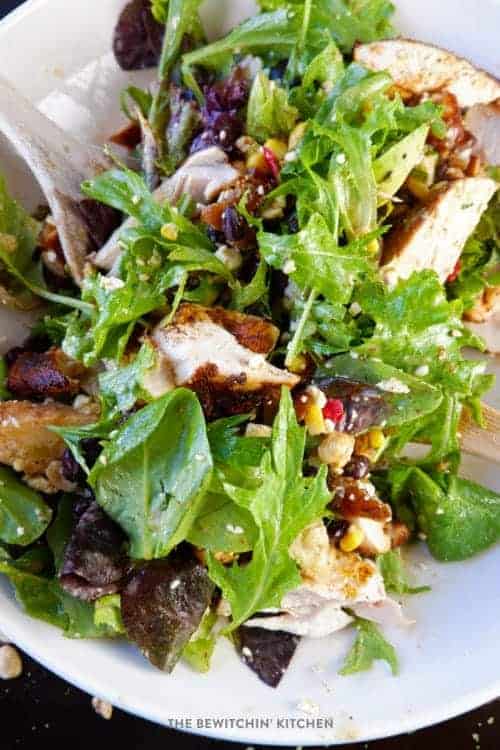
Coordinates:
450 660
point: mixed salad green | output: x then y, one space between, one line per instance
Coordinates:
210 437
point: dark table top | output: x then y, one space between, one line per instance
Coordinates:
40 709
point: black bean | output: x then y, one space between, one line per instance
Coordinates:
357 468
234 225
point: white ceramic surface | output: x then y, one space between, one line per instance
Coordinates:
450 660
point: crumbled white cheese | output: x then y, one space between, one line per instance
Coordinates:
316 395
175 584
247 653
341 159
230 256
289 267
110 283
422 371
355 309
258 430
307 706
393 385
234 529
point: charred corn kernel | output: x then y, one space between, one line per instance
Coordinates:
169 232
255 160
298 363
336 449
296 135
314 420
377 438
279 148
352 539
225 557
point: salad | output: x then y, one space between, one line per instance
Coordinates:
210 431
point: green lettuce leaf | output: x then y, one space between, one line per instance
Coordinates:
153 474
107 614
198 651
369 646
281 505
395 576
460 518
269 115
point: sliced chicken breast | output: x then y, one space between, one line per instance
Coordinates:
489 330
218 353
30 447
483 121
331 580
202 176
433 236
420 67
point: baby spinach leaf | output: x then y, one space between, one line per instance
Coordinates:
369 646
283 503
460 518
24 515
152 477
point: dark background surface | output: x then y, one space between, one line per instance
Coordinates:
40 710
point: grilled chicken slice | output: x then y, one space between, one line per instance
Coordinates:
202 176
483 121
433 236
221 355
50 374
419 67
331 580
30 447
489 330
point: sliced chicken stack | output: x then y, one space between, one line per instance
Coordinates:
433 235
221 355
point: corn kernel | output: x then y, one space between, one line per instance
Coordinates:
352 539
314 420
377 438
279 148
373 247
255 160
169 232
296 135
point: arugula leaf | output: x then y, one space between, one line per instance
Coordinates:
394 575
282 505
269 115
24 515
198 651
21 278
275 31
257 289
182 22
121 387
316 261
480 258
416 326
319 77
107 614
152 477
369 646
149 266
